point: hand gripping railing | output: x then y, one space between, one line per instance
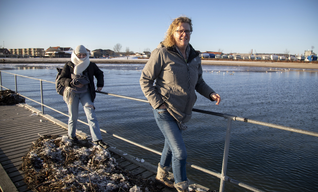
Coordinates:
222 176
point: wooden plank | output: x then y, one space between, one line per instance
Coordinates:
138 171
13 134
34 130
24 189
28 138
12 165
12 147
147 174
120 159
131 167
13 152
17 178
16 173
125 164
26 134
19 155
6 160
132 159
11 161
20 184
13 169
5 181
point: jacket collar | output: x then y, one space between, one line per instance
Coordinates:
193 54
72 66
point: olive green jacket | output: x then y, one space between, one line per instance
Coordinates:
175 81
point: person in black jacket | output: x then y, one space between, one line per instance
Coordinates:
78 78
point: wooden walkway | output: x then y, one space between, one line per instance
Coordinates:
19 127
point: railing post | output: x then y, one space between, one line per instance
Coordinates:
16 83
0 81
42 99
225 154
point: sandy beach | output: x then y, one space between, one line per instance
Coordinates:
273 64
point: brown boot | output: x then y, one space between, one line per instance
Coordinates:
182 186
163 176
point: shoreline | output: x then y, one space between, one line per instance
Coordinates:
270 64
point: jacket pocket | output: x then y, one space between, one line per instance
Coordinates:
164 93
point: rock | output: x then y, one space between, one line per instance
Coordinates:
56 163
9 97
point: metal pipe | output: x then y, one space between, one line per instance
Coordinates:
16 83
0 81
125 97
27 77
131 142
42 99
235 118
311 133
225 154
242 185
218 175
212 113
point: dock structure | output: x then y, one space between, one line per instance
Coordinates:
21 124
19 128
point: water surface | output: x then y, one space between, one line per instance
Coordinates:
266 158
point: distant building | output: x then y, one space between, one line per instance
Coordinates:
143 55
27 52
59 52
213 52
309 52
4 52
100 53
146 54
269 54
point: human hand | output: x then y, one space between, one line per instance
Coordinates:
163 106
216 97
99 88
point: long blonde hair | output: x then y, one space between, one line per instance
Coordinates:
169 39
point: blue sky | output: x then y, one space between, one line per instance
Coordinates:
238 26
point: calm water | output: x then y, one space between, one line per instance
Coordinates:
266 158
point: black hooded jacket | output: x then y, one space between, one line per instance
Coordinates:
92 70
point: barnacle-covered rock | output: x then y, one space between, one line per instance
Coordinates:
9 97
55 163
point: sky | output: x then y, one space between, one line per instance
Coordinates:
230 26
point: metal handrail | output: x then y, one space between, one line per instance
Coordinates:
222 176
246 120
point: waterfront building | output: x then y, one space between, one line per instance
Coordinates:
98 53
4 52
214 52
143 55
59 52
309 52
27 52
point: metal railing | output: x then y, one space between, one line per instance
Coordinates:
222 176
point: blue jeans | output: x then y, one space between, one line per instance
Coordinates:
89 110
174 150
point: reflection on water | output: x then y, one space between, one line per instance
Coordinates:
269 159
